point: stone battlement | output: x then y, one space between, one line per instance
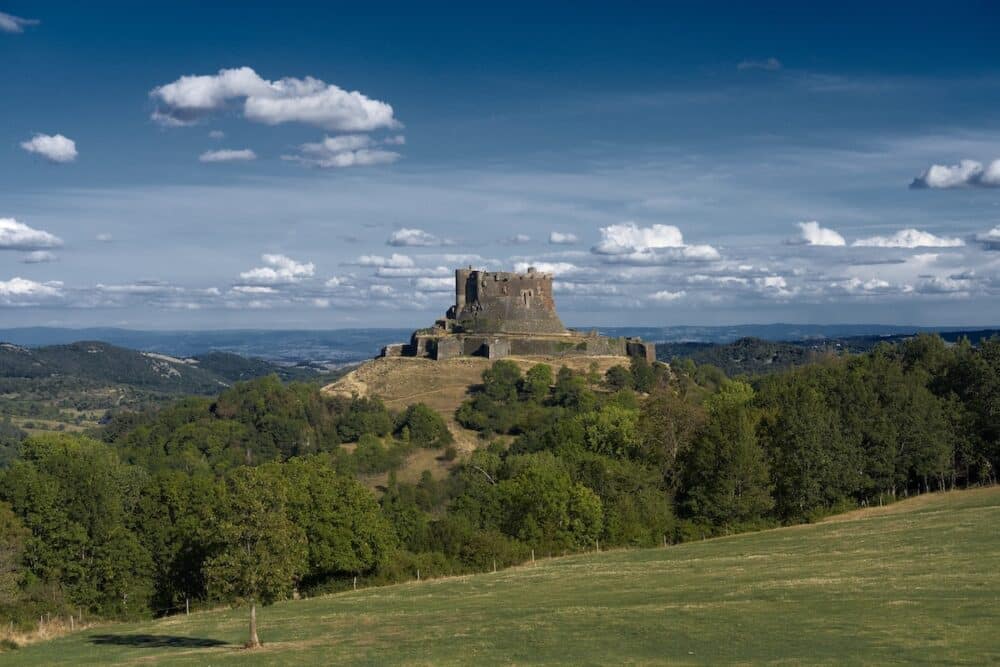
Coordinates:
498 314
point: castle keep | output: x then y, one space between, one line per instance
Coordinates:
498 314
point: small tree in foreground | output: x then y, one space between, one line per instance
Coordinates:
263 553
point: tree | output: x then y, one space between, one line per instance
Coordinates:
618 377
348 535
668 425
78 500
536 382
726 480
425 427
263 553
12 538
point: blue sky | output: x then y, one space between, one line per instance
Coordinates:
294 166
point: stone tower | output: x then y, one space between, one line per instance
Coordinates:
500 302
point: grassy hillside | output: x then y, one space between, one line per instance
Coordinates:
442 386
915 582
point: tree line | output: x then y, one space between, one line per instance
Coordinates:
253 496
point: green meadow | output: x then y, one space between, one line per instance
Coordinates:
915 582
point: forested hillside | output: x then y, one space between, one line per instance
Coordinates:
147 515
70 387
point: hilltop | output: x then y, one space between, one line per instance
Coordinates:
442 386
912 582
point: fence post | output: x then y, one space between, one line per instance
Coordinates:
494 564
187 606
355 582
418 575
532 556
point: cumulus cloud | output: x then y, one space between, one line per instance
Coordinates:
909 238
279 269
769 64
228 155
38 257
967 173
563 238
435 284
346 150
555 268
518 239
629 243
217 134
812 234
666 296
16 235
254 289
15 24
53 147
989 240
413 272
414 237
23 292
395 261
309 100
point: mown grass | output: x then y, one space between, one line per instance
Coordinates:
915 583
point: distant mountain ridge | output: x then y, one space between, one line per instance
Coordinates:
336 347
99 363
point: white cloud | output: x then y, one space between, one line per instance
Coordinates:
104 238
414 237
16 235
563 238
964 174
518 239
555 268
770 64
24 292
909 238
15 24
627 242
53 147
345 150
990 240
435 284
943 285
381 290
666 296
813 234
279 269
228 155
310 101
254 289
217 134
413 272
38 257
395 261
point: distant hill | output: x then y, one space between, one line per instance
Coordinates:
335 347
100 363
755 356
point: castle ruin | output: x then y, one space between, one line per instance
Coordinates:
499 314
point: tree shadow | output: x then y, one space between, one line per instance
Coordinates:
155 641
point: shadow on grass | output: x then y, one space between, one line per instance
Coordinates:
155 641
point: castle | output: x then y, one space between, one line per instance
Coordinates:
499 314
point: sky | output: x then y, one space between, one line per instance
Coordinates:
198 165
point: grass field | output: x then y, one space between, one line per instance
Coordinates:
917 582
